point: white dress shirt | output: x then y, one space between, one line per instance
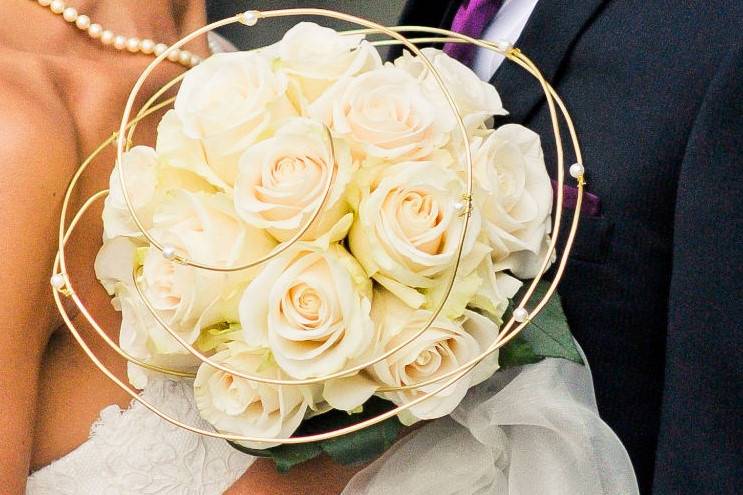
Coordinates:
507 25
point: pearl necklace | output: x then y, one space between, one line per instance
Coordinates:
117 41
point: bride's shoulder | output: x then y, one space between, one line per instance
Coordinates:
37 155
36 150
33 118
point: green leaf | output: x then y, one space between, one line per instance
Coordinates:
363 445
284 456
547 335
288 456
517 352
353 448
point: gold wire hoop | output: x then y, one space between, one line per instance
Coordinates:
458 253
512 54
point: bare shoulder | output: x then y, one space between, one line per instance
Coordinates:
37 150
37 154
31 113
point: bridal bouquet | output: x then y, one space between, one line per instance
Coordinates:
256 144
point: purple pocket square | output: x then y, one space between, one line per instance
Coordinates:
590 206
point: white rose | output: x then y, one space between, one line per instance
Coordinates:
515 195
140 171
228 102
311 308
183 153
282 180
384 113
140 335
202 228
315 57
445 346
182 297
408 227
476 100
149 176
243 407
205 228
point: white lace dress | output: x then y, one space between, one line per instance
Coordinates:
135 452
525 432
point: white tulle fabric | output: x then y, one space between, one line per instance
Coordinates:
524 432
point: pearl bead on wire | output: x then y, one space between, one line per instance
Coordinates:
577 170
122 43
168 252
58 281
520 315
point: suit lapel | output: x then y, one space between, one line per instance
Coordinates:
433 13
547 39
449 13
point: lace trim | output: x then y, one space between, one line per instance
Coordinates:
135 452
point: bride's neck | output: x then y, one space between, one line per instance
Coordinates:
40 30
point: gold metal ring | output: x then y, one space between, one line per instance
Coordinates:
507 332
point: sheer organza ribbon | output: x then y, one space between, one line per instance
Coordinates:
526 431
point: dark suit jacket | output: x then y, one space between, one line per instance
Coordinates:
654 289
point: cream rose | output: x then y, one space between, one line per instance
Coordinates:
140 171
408 227
476 100
149 176
385 114
515 196
140 335
243 407
205 228
182 297
315 57
202 228
282 180
477 286
185 154
229 102
445 346
311 308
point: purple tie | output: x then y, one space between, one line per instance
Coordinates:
471 19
